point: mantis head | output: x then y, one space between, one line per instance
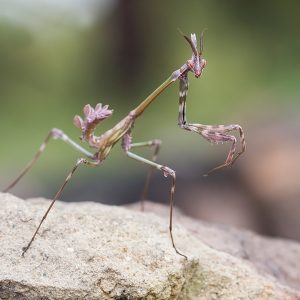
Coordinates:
197 63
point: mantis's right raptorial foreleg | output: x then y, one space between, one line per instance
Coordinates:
213 133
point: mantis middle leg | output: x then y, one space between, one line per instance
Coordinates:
155 144
126 145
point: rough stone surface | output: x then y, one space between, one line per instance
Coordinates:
93 251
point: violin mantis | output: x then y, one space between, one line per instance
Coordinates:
122 131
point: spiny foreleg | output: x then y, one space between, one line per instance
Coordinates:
217 134
213 133
183 91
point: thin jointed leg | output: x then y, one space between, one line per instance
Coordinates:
218 134
166 172
54 134
78 163
213 133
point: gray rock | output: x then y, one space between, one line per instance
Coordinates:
93 251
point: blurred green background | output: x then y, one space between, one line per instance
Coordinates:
57 56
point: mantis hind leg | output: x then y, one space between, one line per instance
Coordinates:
53 134
81 161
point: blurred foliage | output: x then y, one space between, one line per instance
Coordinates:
49 72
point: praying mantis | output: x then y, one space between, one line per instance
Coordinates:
122 131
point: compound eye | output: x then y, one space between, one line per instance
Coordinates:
204 62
